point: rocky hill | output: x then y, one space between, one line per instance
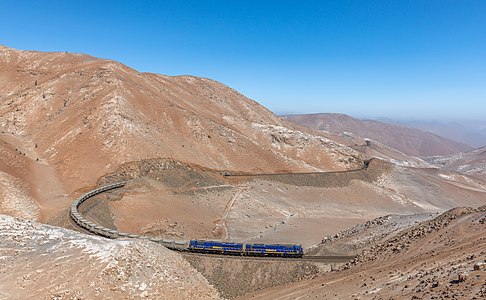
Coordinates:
45 262
407 140
471 163
72 118
435 259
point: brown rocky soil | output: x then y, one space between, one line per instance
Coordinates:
354 240
234 276
433 259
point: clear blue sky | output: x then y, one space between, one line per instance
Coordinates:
422 59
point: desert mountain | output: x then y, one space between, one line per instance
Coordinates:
374 149
471 163
68 119
410 141
69 122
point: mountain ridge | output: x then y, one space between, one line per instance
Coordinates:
83 117
407 140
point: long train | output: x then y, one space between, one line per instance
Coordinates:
200 246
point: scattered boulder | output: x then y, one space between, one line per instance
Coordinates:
479 266
461 277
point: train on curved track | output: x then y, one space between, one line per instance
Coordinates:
282 250
197 246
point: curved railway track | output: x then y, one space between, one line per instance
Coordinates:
366 163
82 222
322 259
179 245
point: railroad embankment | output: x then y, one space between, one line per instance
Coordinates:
234 277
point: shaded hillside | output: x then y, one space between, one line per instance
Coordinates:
407 140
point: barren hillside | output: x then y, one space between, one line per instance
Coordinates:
433 259
75 118
407 140
204 161
471 163
183 201
44 262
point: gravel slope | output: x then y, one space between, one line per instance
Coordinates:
434 259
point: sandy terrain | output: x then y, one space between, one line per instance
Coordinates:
30 186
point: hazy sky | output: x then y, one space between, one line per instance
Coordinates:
423 59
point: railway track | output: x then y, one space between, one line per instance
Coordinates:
179 245
323 259
230 174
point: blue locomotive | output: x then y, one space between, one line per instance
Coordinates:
284 250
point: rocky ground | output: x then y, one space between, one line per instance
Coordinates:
185 201
44 262
363 236
435 259
234 277
471 163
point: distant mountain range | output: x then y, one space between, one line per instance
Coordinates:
410 141
469 132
